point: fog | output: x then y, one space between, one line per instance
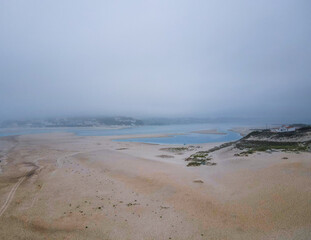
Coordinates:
156 58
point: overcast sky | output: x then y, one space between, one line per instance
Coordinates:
156 58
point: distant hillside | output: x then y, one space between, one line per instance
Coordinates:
299 140
73 122
300 135
190 120
259 141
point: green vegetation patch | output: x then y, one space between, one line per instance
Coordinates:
198 159
224 145
251 147
175 149
180 149
194 164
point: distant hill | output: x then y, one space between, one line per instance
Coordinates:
169 121
73 122
259 141
299 140
300 135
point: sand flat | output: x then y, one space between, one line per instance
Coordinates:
96 188
209 131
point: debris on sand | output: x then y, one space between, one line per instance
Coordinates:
165 156
198 181
175 149
164 207
132 204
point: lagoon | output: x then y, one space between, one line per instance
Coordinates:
188 138
185 129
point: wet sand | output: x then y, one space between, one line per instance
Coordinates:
62 186
210 131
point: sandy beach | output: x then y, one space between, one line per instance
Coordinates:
62 186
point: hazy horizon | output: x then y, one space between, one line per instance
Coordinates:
203 59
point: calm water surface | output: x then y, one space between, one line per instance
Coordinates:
186 138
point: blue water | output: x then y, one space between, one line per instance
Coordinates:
187 138
25 131
190 138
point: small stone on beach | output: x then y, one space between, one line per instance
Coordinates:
198 181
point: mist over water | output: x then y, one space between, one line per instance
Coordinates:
245 59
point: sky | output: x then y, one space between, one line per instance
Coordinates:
156 58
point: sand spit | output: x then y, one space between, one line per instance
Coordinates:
70 187
210 131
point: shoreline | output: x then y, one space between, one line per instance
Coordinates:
136 136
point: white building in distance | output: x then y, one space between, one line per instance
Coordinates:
283 128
